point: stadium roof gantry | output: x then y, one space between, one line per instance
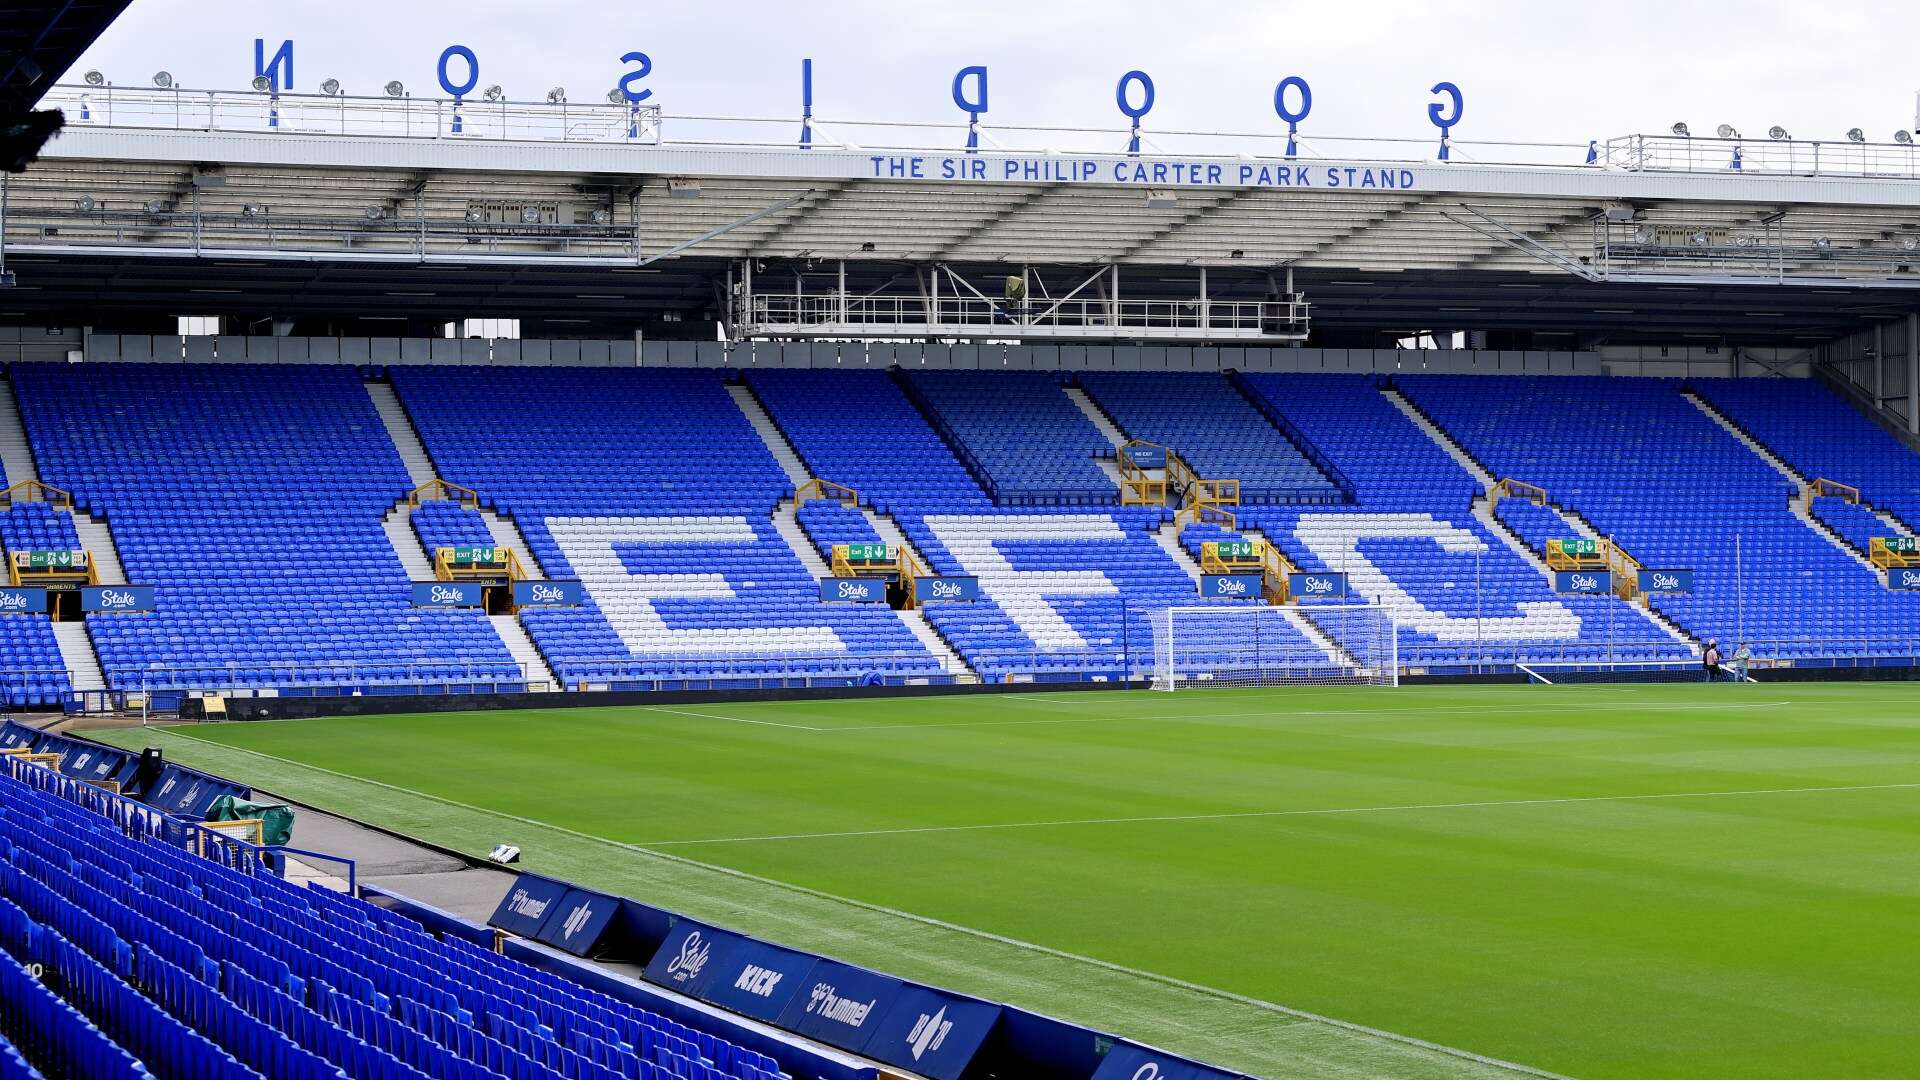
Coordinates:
610 234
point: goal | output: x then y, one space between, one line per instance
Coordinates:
1247 645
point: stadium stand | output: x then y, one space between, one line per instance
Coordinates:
1220 435
1647 467
252 504
175 966
439 523
1459 593
1822 437
651 487
1019 432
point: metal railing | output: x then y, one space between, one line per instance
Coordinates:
1771 157
180 109
799 312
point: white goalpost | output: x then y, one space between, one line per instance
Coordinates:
1247 645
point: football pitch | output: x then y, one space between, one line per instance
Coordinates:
1602 881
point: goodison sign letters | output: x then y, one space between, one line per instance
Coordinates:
458 71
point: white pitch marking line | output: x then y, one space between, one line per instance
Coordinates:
924 920
1326 812
735 719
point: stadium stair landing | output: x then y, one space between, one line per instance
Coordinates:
1482 509
786 522
397 523
1799 504
77 655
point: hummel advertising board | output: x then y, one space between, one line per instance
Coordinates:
840 1005
932 1034
577 921
527 905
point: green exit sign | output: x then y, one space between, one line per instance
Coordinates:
1234 549
1904 545
1585 545
869 552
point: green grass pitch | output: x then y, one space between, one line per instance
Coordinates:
1643 881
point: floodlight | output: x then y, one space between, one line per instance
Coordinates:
261 82
94 78
163 79
557 96
85 204
1680 129
1777 132
1699 238
375 213
1744 240
154 206
1644 234
252 209
1909 243
600 217
530 215
1822 242
396 88
494 93
331 88
616 96
474 216
1903 137
1856 135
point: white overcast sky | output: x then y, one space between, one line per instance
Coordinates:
1541 70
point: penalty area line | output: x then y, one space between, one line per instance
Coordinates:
924 920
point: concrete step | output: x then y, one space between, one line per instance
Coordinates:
521 647
398 526
506 534
77 655
1098 415
413 453
16 453
786 522
770 434
97 538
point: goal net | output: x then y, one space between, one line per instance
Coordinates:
1247 645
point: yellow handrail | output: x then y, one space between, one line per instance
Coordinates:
825 489
1136 487
437 489
1833 489
1511 488
1886 558
35 491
